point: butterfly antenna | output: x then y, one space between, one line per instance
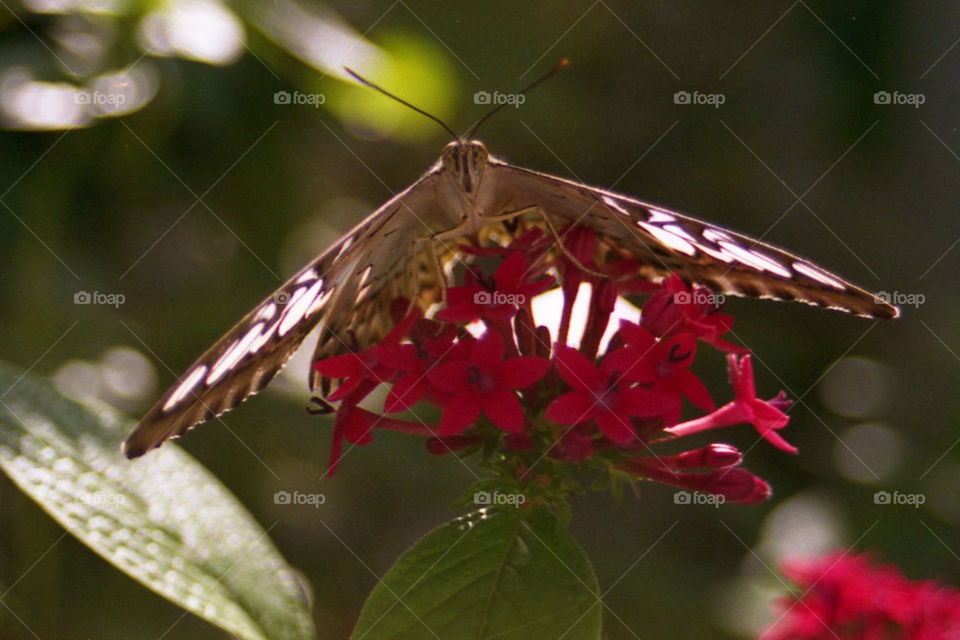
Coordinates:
557 67
367 83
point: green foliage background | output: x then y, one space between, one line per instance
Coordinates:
82 208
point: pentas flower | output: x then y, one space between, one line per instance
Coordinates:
601 394
486 382
534 407
849 596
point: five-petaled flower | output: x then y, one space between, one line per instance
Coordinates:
603 395
485 382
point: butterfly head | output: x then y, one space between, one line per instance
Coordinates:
466 161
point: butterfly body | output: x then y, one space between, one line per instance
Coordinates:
403 249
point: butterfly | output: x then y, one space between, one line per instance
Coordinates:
404 248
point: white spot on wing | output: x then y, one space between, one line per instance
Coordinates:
296 310
669 239
267 312
321 300
657 217
309 274
186 386
613 204
756 260
233 355
364 276
345 246
819 275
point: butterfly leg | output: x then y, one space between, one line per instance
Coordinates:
536 209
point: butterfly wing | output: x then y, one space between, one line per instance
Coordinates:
663 241
370 258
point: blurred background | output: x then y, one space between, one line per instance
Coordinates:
186 156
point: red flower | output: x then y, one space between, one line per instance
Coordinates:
677 308
497 300
664 364
601 395
721 476
845 596
369 366
485 382
765 415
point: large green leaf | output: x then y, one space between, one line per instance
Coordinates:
163 519
499 573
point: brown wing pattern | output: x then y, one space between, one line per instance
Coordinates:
342 288
664 241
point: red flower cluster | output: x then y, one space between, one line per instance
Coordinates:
844 597
532 404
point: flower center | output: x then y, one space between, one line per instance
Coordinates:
482 381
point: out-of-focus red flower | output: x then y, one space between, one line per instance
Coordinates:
852 596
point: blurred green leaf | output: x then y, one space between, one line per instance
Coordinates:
504 573
163 519
416 71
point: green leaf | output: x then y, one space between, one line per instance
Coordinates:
503 573
163 519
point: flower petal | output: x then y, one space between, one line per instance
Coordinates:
695 391
449 376
487 352
571 408
575 369
616 428
504 410
524 371
462 411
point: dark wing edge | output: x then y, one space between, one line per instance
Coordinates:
246 358
665 241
